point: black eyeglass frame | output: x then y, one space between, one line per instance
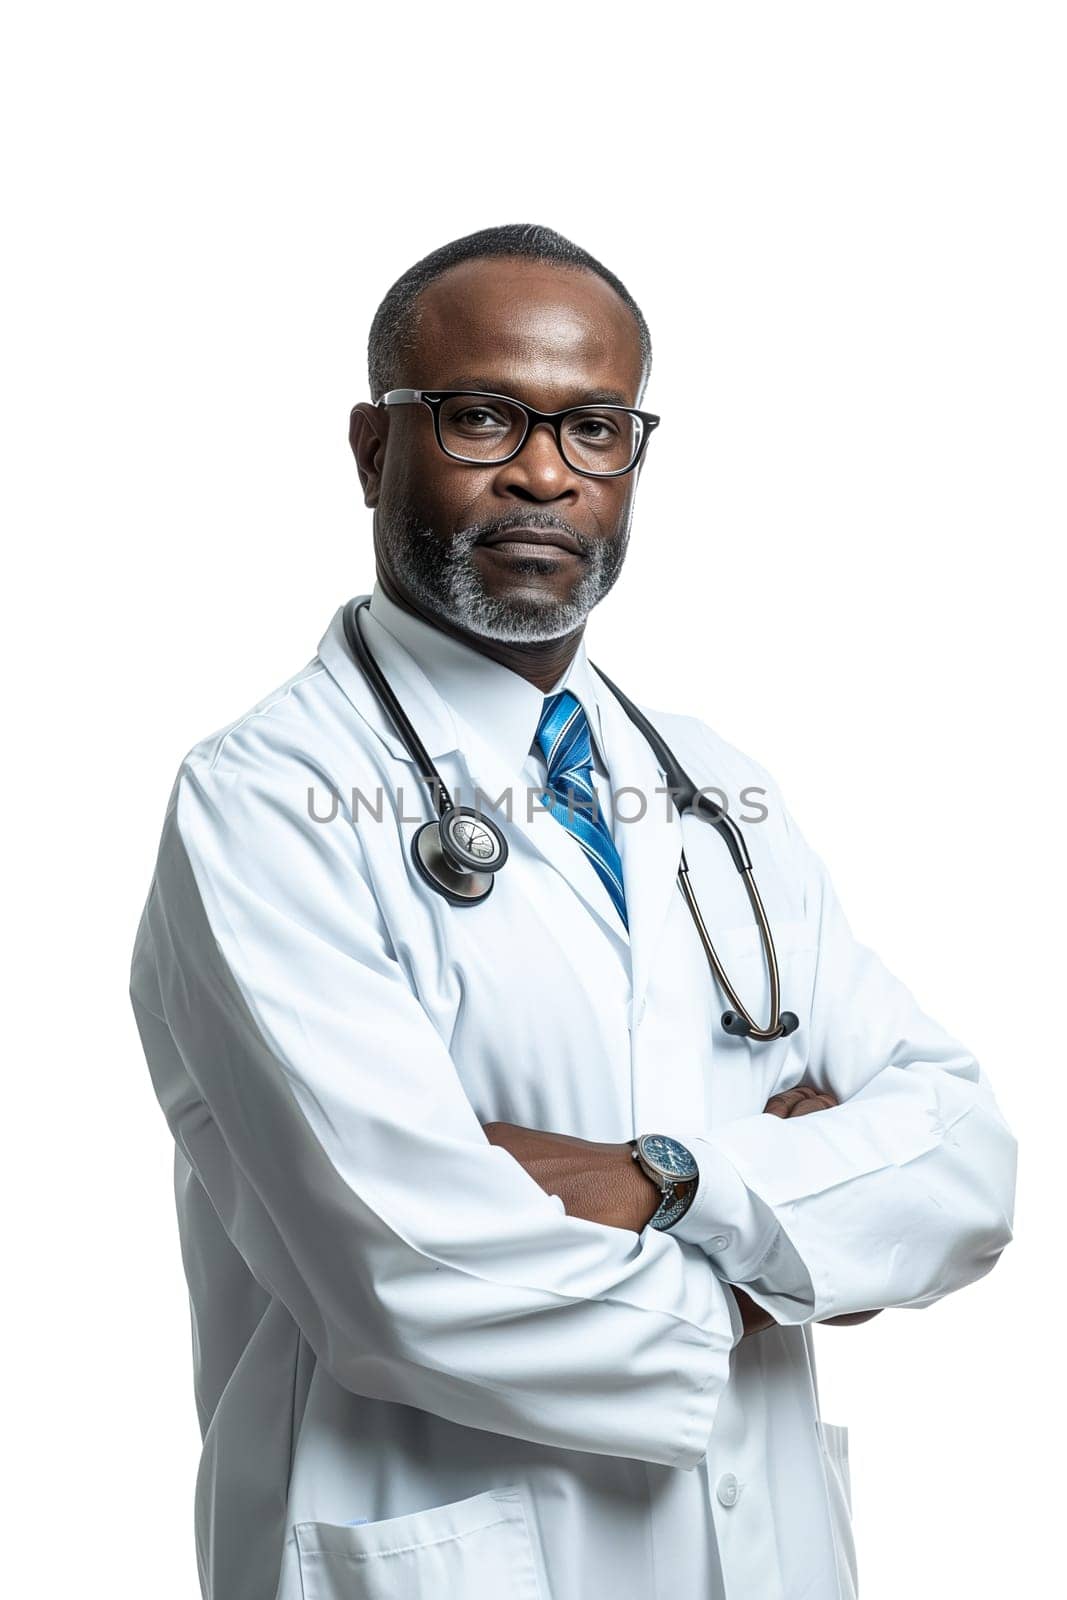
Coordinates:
434 398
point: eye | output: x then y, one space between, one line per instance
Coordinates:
475 417
593 428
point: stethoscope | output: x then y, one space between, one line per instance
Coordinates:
460 851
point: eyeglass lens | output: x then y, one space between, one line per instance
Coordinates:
592 439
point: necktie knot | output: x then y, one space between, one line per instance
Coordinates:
564 740
563 735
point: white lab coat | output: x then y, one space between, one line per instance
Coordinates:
417 1377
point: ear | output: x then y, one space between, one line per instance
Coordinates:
368 428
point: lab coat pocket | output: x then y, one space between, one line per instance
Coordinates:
779 1064
743 943
479 1548
833 1439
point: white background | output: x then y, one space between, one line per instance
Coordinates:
845 226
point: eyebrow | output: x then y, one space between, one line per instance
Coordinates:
593 397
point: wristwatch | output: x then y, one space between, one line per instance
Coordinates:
672 1166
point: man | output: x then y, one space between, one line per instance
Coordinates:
450 1337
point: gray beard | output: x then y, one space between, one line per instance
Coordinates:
444 580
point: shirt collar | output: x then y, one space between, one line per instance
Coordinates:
502 706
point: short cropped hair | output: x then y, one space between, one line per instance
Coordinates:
395 321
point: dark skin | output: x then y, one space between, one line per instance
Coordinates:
551 337
603 1183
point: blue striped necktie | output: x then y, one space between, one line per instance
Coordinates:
563 736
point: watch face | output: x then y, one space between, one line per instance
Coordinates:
669 1155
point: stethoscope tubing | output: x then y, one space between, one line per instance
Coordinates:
442 800
443 875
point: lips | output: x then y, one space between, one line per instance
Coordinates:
551 538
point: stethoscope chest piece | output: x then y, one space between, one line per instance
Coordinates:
459 855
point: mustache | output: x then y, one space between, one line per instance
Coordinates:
475 532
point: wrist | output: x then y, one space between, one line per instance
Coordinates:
671 1171
647 1195
755 1317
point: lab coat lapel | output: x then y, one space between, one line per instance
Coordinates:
430 716
445 733
541 833
650 844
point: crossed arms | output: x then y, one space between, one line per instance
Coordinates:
602 1183
322 1113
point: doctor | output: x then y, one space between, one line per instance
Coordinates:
450 1338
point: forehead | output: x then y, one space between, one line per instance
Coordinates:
545 333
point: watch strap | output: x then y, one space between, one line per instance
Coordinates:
676 1197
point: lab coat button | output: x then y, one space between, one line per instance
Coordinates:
727 1489
719 1242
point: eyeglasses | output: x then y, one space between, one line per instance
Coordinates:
485 430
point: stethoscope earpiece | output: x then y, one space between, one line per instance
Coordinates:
740 1027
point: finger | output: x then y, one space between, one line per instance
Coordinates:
801 1098
818 1102
782 1103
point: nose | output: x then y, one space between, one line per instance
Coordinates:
539 471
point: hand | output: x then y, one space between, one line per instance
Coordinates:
600 1182
797 1102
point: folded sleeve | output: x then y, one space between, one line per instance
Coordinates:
897 1196
743 1236
321 1110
